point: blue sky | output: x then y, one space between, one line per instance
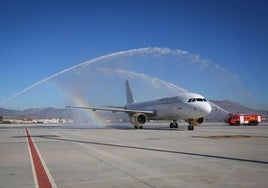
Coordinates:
41 38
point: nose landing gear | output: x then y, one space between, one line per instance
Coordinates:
191 125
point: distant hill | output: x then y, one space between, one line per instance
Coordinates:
219 114
39 113
234 107
35 113
8 113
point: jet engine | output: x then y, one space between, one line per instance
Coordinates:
138 120
200 120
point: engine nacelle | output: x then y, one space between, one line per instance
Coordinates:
195 122
200 120
138 119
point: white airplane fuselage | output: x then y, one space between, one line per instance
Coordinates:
191 107
174 108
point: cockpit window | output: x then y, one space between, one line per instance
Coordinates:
197 100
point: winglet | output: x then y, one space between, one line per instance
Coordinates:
129 93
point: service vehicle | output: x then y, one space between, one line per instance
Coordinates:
244 119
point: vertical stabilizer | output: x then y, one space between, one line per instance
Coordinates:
130 98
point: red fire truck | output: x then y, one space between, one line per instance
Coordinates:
243 119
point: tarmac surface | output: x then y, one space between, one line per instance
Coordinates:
213 155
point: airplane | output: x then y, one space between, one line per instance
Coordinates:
190 107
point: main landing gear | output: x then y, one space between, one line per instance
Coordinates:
173 124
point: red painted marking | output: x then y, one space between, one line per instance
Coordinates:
41 175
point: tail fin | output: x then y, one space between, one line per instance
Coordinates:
130 98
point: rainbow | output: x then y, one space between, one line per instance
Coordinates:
91 114
79 101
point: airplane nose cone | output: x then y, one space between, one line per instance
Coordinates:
206 109
201 109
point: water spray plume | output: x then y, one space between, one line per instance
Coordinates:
155 82
94 80
217 108
72 68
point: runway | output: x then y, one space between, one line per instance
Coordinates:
213 155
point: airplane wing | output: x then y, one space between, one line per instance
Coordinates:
114 109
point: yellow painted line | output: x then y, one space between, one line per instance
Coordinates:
230 136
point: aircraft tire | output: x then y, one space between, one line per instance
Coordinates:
176 125
190 128
171 125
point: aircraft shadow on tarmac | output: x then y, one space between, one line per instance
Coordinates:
166 128
58 138
127 127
